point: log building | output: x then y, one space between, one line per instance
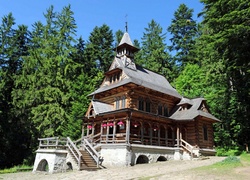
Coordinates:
134 117
137 112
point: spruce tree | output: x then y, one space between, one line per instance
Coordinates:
99 48
183 30
226 57
153 54
14 128
47 73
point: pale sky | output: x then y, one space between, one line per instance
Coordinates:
91 13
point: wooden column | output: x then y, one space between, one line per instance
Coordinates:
127 129
180 132
159 136
114 130
93 129
107 134
166 135
150 134
142 132
178 136
101 129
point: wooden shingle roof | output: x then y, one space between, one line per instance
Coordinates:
142 77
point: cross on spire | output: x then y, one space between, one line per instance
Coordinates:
126 26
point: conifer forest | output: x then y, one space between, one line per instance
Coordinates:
46 73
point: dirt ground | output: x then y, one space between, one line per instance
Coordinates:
160 171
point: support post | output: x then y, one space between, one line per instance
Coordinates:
114 131
127 129
178 136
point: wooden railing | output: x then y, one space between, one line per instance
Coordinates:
91 150
74 150
187 146
52 143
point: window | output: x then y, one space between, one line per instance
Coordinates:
148 106
117 103
110 79
205 133
159 109
141 104
118 76
123 102
114 78
166 111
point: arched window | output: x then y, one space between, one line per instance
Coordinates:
141 104
148 106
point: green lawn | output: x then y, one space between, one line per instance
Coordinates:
230 168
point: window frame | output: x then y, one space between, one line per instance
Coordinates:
205 132
141 104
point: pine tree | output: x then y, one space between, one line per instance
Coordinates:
47 73
118 37
153 54
183 30
226 57
14 129
99 49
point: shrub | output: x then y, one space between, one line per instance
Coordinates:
231 159
228 152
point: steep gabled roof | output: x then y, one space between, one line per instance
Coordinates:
135 74
192 112
126 40
142 77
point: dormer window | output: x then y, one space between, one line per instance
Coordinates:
114 78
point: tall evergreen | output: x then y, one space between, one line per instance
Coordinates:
118 37
226 54
153 54
99 48
47 73
14 129
183 30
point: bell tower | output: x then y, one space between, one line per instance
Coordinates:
125 50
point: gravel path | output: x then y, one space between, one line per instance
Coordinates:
159 170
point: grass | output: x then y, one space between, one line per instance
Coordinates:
15 169
228 168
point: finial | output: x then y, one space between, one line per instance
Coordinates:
126 26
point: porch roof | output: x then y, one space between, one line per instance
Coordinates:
101 107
